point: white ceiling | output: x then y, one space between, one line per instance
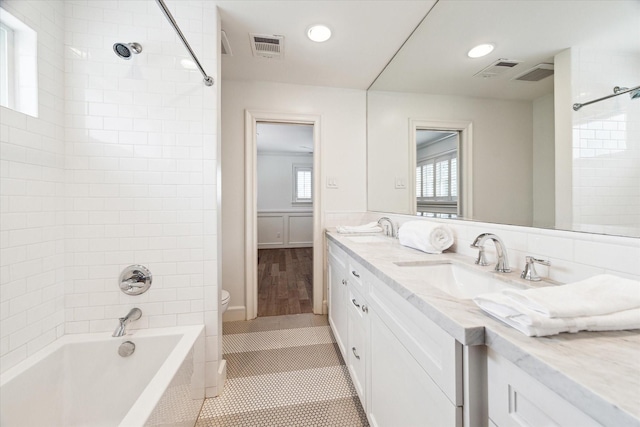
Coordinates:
434 59
366 35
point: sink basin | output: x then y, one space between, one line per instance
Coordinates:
368 239
459 281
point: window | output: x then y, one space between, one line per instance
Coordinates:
302 184
18 65
6 63
437 182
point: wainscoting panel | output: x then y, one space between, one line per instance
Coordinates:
285 229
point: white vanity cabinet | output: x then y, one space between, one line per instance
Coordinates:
406 370
516 399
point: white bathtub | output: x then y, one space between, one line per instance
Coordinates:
80 380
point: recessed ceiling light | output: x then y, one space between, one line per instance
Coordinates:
480 50
319 33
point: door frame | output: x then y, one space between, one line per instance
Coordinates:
465 156
252 117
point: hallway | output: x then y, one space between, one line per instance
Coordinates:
285 281
283 371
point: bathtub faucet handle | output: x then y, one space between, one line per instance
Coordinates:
135 280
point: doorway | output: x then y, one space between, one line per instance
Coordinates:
270 228
285 218
451 145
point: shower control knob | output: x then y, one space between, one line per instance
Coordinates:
135 280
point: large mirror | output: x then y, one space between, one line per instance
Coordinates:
525 157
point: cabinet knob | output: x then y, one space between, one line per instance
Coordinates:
355 274
353 300
354 353
344 282
365 308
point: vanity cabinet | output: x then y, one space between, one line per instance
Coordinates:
406 370
516 399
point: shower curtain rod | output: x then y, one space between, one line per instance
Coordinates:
616 91
208 80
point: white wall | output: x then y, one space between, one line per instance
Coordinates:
343 148
275 180
543 162
502 149
126 174
32 198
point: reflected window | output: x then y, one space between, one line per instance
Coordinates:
437 171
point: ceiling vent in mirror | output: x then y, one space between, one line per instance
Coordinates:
267 46
497 68
536 73
225 46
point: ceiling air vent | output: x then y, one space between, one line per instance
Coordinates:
268 46
226 47
497 68
536 73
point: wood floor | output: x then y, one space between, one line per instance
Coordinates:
285 281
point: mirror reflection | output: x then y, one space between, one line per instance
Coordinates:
526 157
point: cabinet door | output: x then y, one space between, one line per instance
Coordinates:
357 351
516 399
338 302
402 393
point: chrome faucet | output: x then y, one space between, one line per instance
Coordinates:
121 330
389 230
502 265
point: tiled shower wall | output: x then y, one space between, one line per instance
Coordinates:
32 198
606 143
139 166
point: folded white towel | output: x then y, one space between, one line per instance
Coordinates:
426 236
372 227
534 324
597 295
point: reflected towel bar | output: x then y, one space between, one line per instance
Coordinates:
208 80
616 91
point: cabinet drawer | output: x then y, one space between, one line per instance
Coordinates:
517 399
357 275
437 352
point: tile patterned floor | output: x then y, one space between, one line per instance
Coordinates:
283 371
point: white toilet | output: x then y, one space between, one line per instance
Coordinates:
224 301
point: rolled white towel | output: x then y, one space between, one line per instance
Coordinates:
534 324
601 294
372 227
426 236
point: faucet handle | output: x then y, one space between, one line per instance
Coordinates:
529 272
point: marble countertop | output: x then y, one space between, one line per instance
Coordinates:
598 372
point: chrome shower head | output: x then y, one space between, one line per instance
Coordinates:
126 50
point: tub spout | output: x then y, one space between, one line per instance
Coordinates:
121 330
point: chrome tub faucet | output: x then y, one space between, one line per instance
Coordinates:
121 330
502 265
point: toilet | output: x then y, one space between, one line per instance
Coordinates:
224 301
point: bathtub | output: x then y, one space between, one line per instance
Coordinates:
81 380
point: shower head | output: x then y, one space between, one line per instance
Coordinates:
126 50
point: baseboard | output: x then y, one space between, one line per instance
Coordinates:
235 313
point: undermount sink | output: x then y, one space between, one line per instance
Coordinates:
368 239
457 280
